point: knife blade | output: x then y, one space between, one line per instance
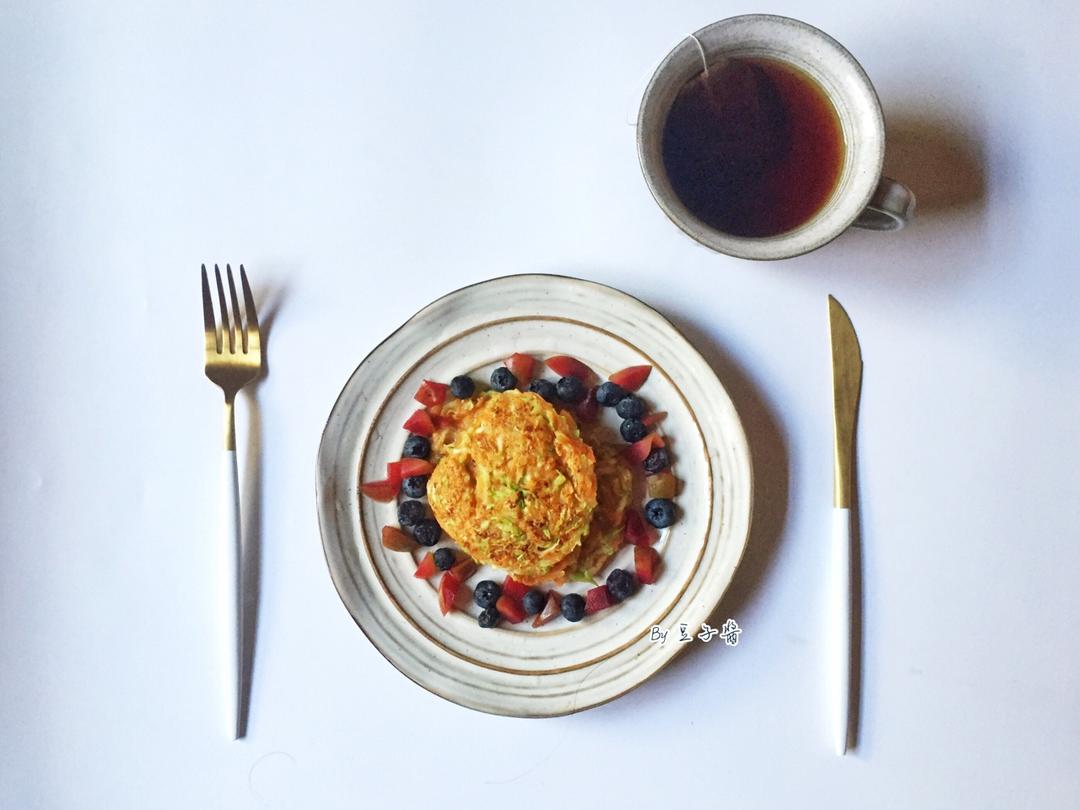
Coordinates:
846 384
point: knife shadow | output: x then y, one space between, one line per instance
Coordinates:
858 607
251 497
769 453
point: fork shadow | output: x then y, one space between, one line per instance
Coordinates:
769 453
251 510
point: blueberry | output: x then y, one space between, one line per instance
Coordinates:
660 512
444 559
462 386
630 407
416 447
620 584
609 394
415 486
545 388
573 607
533 601
657 460
633 430
489 617
409 513
571 390
426 532
502 379
487 593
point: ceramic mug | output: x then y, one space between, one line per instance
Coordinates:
862 197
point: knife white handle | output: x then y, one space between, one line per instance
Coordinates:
840 623
230 593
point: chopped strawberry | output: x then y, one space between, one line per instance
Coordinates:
552 609
464 596
587 409
566 366
449 586
431 393
651 419
597 599
427 568
514 589
635 532
410 467
510 609
646 564
521 366
441 422
464 568
396 540
639 450
380 490
393 473
420 423
631 379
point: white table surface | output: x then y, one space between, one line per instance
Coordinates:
363 159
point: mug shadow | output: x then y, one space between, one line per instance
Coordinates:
251 498
943 161
769 454
940 161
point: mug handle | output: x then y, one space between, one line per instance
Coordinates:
890 209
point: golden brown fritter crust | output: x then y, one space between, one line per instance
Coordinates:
514 484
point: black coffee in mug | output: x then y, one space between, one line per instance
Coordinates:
753 147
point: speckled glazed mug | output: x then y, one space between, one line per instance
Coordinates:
862 197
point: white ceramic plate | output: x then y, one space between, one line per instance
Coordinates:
561 667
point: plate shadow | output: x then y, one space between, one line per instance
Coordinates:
769 454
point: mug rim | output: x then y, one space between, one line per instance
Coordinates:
788 244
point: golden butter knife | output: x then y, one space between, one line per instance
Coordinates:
846 383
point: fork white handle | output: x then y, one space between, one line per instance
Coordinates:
231 593
840 623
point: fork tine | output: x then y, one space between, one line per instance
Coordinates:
226 326
237 328
209 324
251 316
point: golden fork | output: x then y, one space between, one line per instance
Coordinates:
233 359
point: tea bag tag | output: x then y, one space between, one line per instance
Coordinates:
643 82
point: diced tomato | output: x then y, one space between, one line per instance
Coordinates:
631 379
651 419
380 490
566 366
552 609
512 588
635 532
646 564
431 393
597 599
449 586
396 540
427 568
414 466
510 609
420 423
521 366
587 409
464 568
639 450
